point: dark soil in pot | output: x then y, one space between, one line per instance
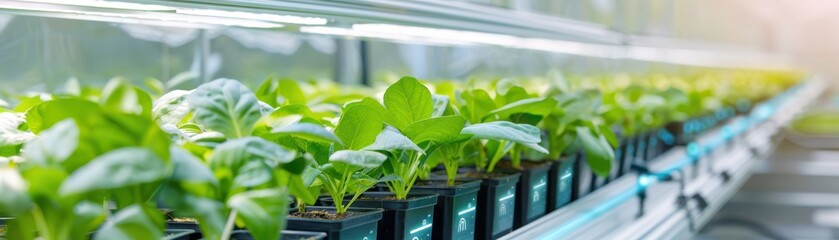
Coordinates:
560 182
531 191
411 218
179 223
357 223
496 203
456 209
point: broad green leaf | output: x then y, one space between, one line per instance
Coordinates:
407 101
363 159
534 106
284 91
502 130
226 106
171 108
12 137
299 189
132 222
476 104
262 211
294 109
369 102
389 140
361 182
189 168
306 131
536 147
27 102
599 155
116 169
54 145
441 102
119 96
437 130
267 92
15 198
236 153
358 127
155 85
44 187
252 174
87 217
290 90
46 114
609 135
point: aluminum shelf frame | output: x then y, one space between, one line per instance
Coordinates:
424 21
612 212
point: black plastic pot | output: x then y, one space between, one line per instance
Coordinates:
531 191
3 222
642 146
655 145
191 226
411 218
583 178
560 180
454 214
361 225
496 204
286 235
179 234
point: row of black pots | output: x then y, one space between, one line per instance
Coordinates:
480 206
632 150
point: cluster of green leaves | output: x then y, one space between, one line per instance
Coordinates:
90 150
87 159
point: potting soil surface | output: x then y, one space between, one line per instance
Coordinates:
324 215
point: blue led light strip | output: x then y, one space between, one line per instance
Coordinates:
695 151
506 197
421 228
471 209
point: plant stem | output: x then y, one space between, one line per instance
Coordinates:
499 153
41 223
354 197
228 227
301 206
515 157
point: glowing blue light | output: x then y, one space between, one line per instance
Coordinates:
507 197
421 228
465 211
644 181
727 133
693 150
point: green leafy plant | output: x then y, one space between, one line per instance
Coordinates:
65 178
497 140
417 129
353 169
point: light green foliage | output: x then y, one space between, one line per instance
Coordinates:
226 106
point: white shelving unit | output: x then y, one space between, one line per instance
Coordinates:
614 211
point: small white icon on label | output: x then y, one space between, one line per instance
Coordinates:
365 238
535 196
415 238
502 210
424 222
461 225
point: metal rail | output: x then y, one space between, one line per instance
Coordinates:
713 169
